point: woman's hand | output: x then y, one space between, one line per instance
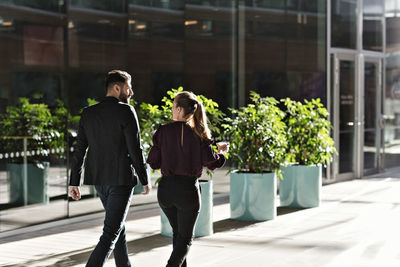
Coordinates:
223 147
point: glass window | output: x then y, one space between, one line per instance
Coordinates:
372 25
167 30
49 5
392 8
221 3
270 4
92 39
39 87
43 45
105 5
392 94
168 4
33 171
100 31
269 30
285 49
210 52
155 48
224 28
344 23
139 27
199 28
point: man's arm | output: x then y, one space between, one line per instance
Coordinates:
79 154
132 137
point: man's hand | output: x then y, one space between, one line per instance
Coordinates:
74 192
146 189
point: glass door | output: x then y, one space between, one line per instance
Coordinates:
372 126
345 116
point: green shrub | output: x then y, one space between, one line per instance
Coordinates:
257 136
308 132
34 122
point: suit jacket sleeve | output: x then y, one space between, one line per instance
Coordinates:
79 154
132 137
154 158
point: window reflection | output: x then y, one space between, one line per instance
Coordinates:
105 5
163 44
49 5
167 30
139 27
199 27
344 23
168 4
285 48
372 25
392 94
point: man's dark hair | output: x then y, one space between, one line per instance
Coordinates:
116 77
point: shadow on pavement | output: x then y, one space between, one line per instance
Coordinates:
144 244
286 210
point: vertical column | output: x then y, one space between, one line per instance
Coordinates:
241 53
25 169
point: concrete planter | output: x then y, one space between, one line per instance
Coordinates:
252 196
31 189
301 186
204 224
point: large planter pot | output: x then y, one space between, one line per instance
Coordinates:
204 223
252 196
36 183
301 186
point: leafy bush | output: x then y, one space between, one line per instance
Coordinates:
308 132
34 122
257 136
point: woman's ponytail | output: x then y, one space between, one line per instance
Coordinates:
188 101
200 122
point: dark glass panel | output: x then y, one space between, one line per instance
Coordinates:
31 66
199 28
370 110
104 5
344 23
392 94
155 48
168 30
346 116
372 25
49 5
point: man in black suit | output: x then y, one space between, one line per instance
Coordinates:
109 136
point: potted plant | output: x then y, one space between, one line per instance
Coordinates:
151 117
27 137
309 147
257 138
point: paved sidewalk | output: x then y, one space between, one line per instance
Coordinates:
358 224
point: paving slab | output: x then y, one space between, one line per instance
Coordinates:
357 225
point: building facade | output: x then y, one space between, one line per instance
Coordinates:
346 52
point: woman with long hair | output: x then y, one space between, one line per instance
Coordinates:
181 149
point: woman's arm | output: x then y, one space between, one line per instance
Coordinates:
210 158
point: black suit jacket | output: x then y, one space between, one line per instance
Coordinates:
109 136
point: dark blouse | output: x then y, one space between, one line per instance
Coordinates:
177 150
